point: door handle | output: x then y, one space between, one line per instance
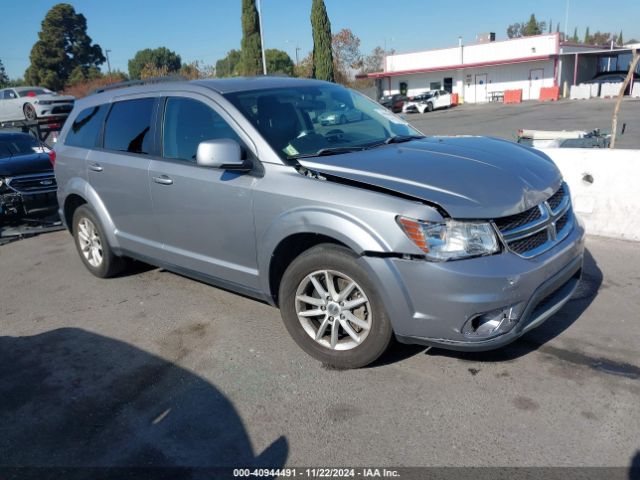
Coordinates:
95 167
163 180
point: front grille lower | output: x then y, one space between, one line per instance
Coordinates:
538 229
36 183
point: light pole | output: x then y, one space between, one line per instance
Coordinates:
264 58
108 62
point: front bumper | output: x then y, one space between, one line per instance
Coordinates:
20 205
54 110
429 303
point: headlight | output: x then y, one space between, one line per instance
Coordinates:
452 239
43 102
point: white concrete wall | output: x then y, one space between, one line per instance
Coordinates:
465 81
610 206
525 47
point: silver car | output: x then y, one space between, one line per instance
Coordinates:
33 103
358 233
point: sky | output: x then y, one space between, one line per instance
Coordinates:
205 30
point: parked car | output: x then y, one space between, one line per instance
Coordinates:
428 102
564 138
33 103
393 102
614 77
27 182
357 234
340 115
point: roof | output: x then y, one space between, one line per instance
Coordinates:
241 84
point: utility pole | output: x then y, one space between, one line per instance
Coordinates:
297 50
108 62
264 57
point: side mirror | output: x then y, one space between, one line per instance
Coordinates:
220 153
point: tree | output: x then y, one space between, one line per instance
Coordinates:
304 69
575 36
228 66
62 46
587 37
4 79
374 62
550 26
251 50
158 58
82 74
533 27
346 53
278 62
601 38
514 30
322 68
620 40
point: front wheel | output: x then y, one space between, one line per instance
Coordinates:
332 309
29 112
429 107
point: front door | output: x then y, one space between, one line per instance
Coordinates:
481 88
536 77
205 215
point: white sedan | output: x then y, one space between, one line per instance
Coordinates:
33 103
427 102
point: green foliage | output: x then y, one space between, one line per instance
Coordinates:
251 48
514 30
82 74
63 45
575 38
159 58
4 79
619 39
587 37
533 27
228 66
278 62
322 51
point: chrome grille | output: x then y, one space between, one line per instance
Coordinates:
36 183
538 229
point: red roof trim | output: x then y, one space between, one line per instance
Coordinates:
458 67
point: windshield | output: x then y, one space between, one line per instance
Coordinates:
18 145
304 121
32 92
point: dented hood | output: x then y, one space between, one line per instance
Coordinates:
469 177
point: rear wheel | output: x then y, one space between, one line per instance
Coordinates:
29 112
332 310
92 245
429 107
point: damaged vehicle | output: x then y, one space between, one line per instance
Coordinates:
357 232
27 182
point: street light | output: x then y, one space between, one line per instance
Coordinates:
264 58
108 62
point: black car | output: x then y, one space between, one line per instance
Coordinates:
27 183
393 102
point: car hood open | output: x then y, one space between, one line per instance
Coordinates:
469 177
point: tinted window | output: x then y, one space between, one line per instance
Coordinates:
32 92
129 125
11 145
86 127
188 122
8 95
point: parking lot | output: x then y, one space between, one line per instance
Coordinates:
155 369
503 121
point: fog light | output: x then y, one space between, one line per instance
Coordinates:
490 324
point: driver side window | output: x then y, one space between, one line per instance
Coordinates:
188 122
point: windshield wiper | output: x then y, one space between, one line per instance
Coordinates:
330 151
402 138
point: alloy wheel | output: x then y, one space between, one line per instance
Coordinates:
90 242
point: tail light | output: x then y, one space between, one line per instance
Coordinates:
52 157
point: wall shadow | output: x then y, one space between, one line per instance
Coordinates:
584 295
74 404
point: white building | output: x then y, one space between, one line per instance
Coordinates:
481 71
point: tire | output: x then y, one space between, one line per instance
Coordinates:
429 107
29 112
92 246
372 326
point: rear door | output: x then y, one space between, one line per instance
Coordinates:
119 173
204 215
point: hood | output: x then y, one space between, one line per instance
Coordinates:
25 164
469 177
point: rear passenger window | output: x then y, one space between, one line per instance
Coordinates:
188 122
128 126
86 127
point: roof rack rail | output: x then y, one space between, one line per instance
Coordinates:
133 83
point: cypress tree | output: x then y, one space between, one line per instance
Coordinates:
620 40
251 52
322 55
575 35
587 37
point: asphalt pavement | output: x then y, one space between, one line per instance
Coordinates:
154 369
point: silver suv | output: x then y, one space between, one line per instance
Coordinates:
357 232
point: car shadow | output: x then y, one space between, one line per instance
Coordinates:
583 297
634 468
74 404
